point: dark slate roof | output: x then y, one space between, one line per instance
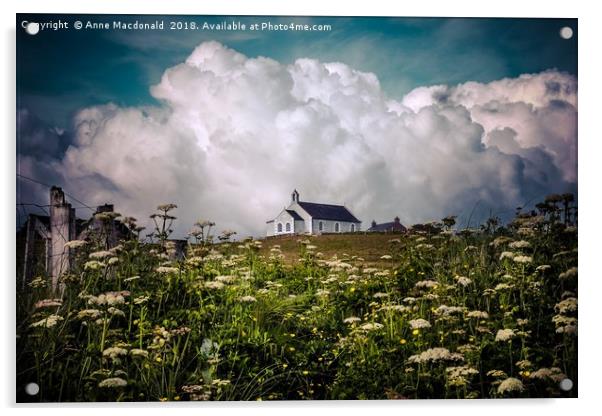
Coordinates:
388 226
328 212
294 214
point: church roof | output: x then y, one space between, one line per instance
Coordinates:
294 214
328 212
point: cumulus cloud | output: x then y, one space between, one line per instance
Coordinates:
234 135
541 109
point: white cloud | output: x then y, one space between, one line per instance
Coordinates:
234 135
540 108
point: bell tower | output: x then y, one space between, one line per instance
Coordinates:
295 196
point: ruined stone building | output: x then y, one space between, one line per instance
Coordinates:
44 237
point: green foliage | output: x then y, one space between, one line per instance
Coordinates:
477 314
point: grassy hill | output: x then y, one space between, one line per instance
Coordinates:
369 246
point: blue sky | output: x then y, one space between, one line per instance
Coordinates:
61 71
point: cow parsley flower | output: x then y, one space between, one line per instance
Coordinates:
463 281
504 335
555 374
523 259
569 274
114 352
426 284
167 270
478 314
48 303
100 254
371 326
435 355
214 285
509 385
73 244
88 314
419 323
566 306
520 244
113 382
47 322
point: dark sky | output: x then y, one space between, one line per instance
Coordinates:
60 71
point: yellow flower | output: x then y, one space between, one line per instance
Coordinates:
158 359
352 289
305 372
416 332
177 398
402 341
284 365
291 349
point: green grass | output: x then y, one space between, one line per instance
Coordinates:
369 246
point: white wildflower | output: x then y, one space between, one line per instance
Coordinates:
523 259
567 305
167 270
88 314
225 279
504 335
509 385
463 281
113 382
569 274
93 265
435 355
379 295
426 284
47 322
100 254
554 374
214 285
520 244
73 244
419 323
371 326
48 303
478 314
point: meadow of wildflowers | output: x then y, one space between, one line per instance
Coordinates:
487 313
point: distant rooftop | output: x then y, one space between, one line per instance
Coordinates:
396 225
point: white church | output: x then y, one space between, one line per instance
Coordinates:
309 217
